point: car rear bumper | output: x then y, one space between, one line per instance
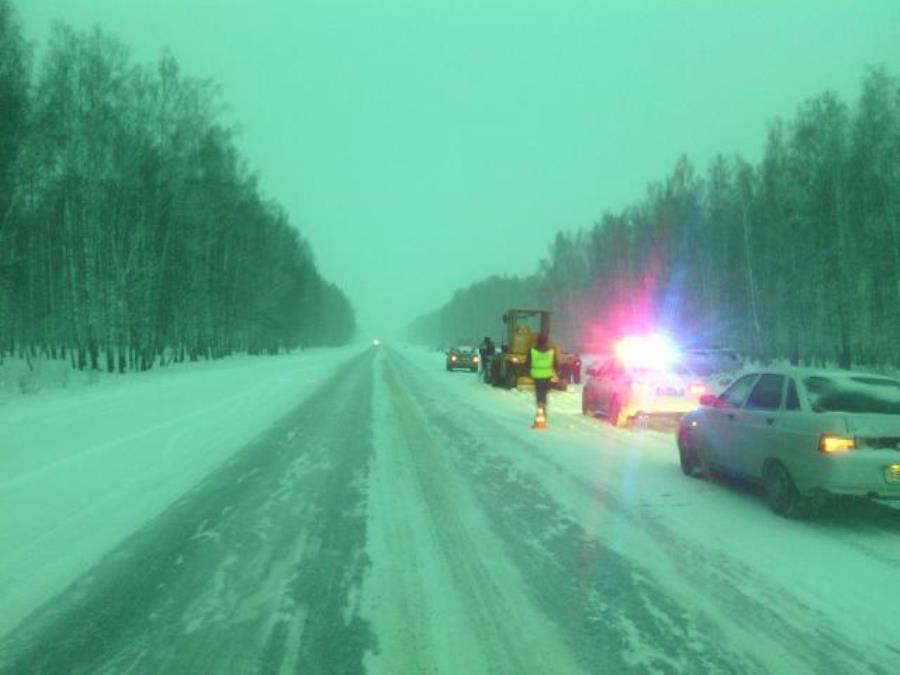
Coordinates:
862 473
668 407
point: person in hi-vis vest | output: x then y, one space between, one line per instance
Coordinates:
542 368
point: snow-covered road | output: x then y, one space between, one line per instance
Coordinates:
402 519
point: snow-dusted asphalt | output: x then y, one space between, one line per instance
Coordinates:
406 520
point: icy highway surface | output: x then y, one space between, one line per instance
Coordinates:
396 518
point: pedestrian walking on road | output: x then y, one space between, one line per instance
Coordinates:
487 350
542 368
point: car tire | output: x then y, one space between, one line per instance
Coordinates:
691 463
781 492
511 379
614 414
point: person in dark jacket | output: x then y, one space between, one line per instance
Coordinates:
542 368
575 369
486 351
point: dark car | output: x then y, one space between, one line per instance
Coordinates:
463 358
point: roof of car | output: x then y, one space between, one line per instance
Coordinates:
809 371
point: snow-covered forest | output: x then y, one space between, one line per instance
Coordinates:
131 229
474 312
796 256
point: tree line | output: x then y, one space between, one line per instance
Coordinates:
794 257
131 230
475 312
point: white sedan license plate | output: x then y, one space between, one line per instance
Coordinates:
892 473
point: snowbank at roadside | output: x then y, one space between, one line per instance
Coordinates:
82 468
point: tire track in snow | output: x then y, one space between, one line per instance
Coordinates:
611 605
253 570
613 615
442 594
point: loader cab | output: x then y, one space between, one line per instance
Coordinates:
521 328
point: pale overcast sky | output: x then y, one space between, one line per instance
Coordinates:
420 146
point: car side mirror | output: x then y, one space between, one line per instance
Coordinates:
710 400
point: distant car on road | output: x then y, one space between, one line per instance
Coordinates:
463 358
802 434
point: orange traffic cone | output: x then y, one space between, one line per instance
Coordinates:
540 419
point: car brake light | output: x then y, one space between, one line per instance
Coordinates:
832 444
697 389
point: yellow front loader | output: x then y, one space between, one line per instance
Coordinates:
508 368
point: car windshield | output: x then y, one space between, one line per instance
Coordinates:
858 394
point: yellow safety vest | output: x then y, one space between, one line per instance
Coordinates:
542 364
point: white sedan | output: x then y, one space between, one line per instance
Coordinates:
802 434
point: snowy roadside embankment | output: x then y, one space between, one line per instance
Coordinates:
791 596
80 469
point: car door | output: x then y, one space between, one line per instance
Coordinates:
619 384
592 385
756 425
603 385
715 434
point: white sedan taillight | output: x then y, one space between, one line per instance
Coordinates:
832 444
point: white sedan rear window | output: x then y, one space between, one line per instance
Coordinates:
854 394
